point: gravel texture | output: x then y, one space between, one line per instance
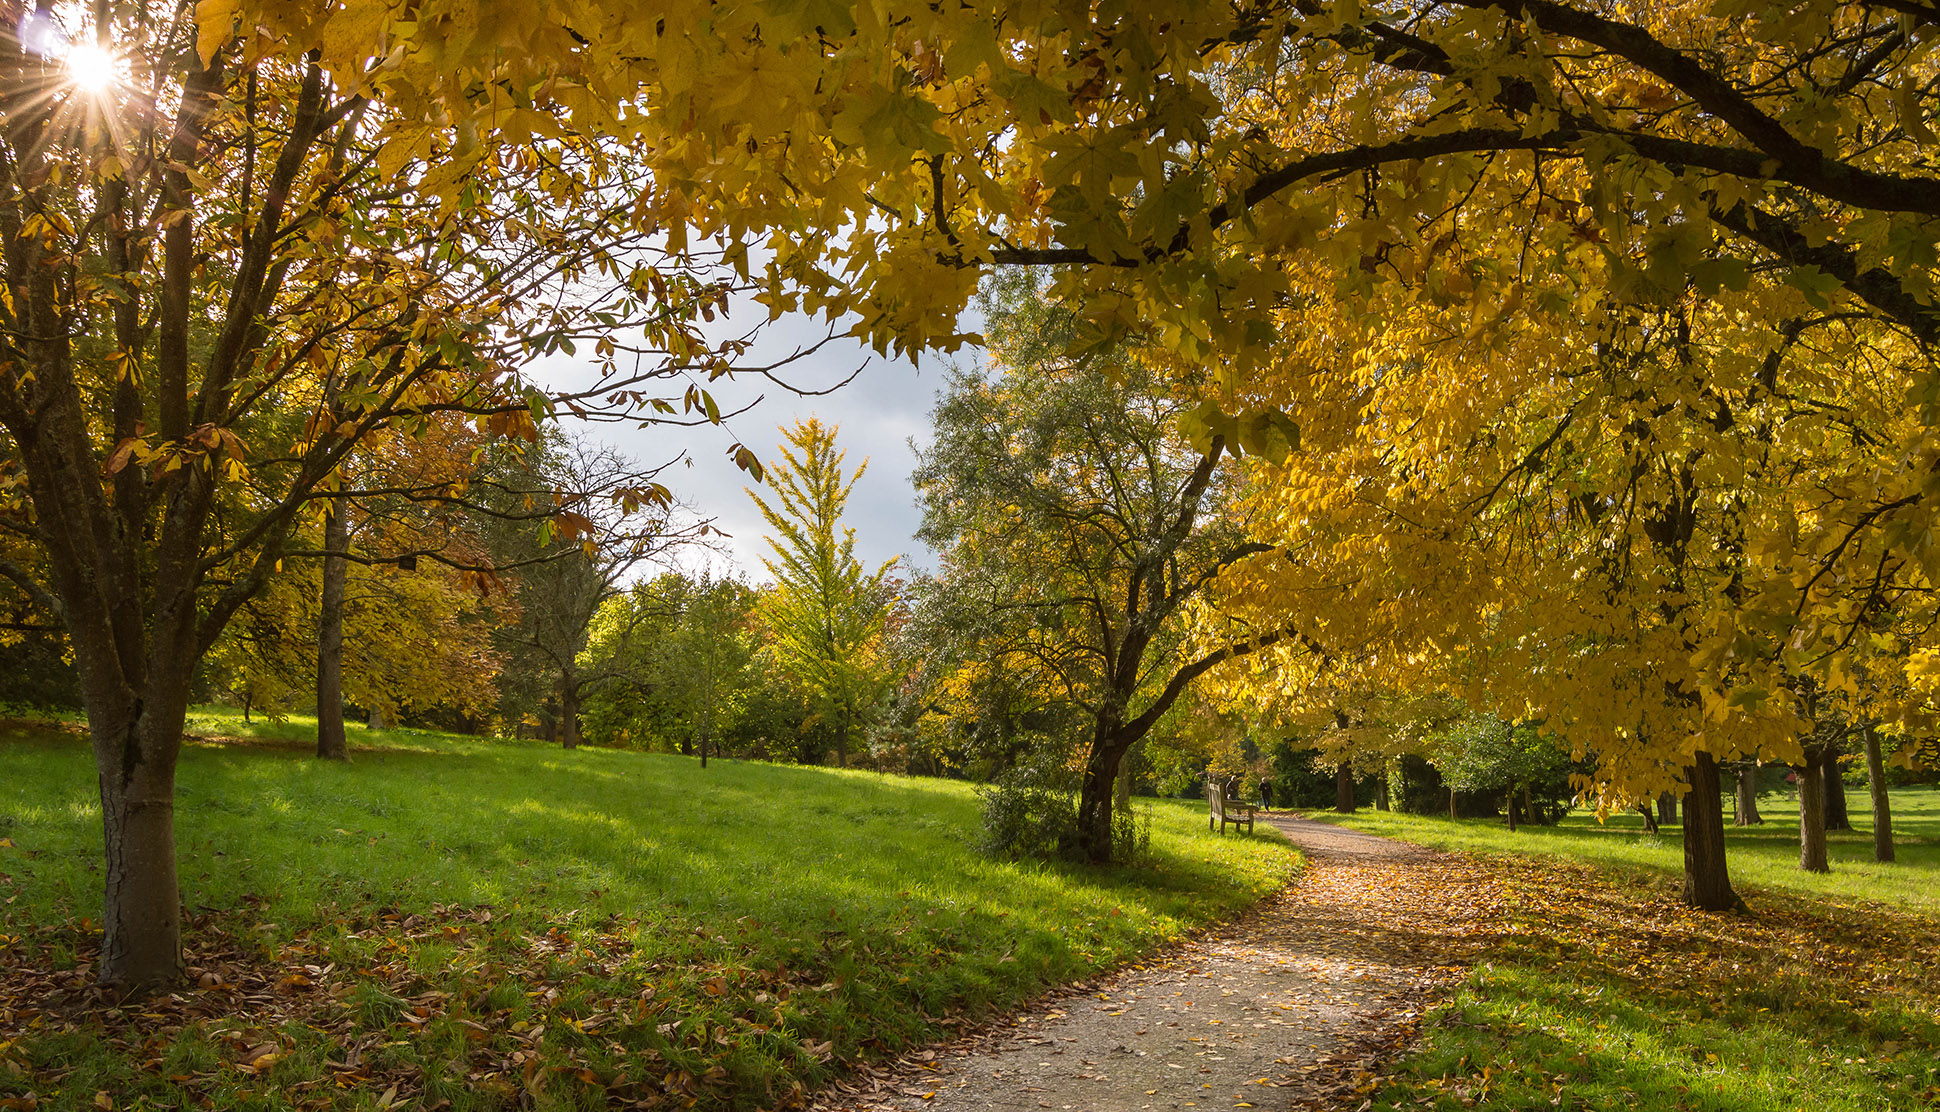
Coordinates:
1287 1005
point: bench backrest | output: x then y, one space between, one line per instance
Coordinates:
1216 798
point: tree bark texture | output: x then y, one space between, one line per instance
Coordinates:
331 743
1707 878
1836 815
1381 789
1095 795
569 712
1344 788
141 945
1745 812
1454 804
1667 809
1512 808
1882 803
1121 796
1812 856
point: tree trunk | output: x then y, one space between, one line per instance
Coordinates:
141 945
569 714
137 736
331 745
376 719
1707 879
1512 808
1095 796
1745 813
1836 816
1528 808
1381 789
1454 811
1882 805
1812 856
1650 818
1344 788
1667 809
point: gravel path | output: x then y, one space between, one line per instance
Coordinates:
1287 1005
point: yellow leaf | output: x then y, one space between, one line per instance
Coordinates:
1907 94
215 23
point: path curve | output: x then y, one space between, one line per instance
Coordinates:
1287 1005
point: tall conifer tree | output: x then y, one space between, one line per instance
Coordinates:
827 611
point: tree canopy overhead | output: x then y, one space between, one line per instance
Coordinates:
1194 145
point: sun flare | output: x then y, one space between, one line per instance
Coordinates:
92 69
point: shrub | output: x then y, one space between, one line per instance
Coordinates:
1029 811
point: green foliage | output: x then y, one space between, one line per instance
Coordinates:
1077 527
784 921
1480 753
1301 779
1418 786
680 652
1029 811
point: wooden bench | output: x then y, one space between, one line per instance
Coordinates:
1224 811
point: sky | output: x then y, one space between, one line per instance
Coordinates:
878 414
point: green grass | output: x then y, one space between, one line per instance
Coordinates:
1761 858
1597 989
655 932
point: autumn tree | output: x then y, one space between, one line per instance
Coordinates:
226 268
417 639
397 501
1075 524
826 610
974 705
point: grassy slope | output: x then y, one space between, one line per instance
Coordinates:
1600 991
725 923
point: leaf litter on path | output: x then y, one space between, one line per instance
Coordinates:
1296 1002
